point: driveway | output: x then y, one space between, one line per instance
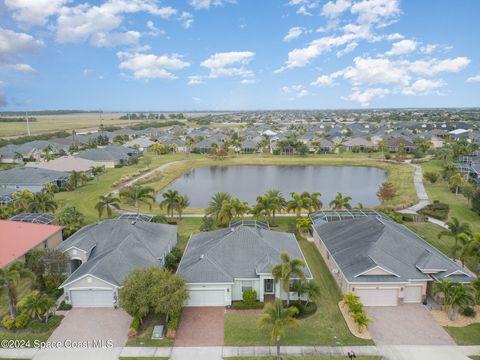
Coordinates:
409 324
200 326
83 324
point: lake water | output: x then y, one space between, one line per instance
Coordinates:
248 181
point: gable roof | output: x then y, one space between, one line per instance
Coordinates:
30 176
109 153
17 238
238 252
114 247
361 244
64 163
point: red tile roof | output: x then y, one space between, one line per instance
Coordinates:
17 238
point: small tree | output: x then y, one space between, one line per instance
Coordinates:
387 191
207 224
431 176
455 183
71 219
468 190
455 295
9 278
303 224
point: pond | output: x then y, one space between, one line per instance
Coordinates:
248 181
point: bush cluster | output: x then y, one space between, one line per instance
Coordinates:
436 210
304 310
356 310
249 297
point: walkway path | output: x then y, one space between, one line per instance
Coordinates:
390 352
421 192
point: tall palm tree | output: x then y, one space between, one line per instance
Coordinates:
183 203
9 278
21 199
170 202
233 208
137 194
263 207
50 188
42 202
455 228
312 290
277 202
216 203
77 178
107 203
316 202
341 202
277 319
455 295
298 203
284 271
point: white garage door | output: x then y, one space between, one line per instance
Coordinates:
214 297
378 297
92 298
412 294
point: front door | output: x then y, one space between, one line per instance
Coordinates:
268 285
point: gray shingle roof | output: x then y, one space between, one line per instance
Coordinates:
30 176
109 153
116 247
241 252
360 244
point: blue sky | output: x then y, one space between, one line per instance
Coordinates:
238 55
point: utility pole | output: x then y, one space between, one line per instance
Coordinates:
28 124
129 121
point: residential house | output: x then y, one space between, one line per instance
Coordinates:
359 143
66 164
141 144
30 178
220 265
379 260
102 254
110 156
394 144
18 238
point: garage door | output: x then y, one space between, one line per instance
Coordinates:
378 297
412 294
92 298
207 297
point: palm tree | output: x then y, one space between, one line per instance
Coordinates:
137 194
299 287
107 203
96 170
298 203
21 199
9 278
277 202
36 305
316 202
77 178
50 188
312 291
455 228
341 202
42 202
233 208
47 151
170 202
183 203
277 319
263 207
455 295
303 224
286 269
216 203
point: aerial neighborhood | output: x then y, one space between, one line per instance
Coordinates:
202 230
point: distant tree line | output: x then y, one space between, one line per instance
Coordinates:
24 139
16 119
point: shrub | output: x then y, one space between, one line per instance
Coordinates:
172 323
64 306
207 224
8 322
431 176
135 324
351 299
436 210
299 306
240 305
37 326
468 312
21 321
249 297
132 333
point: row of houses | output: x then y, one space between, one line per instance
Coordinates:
368 254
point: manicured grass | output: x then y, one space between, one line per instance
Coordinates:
85 197
325 327
468 335
23 288
429 232
320 357
31 338
459 206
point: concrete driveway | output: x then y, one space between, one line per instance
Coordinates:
200 326
84 324
409 324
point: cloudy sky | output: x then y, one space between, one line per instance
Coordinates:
238 55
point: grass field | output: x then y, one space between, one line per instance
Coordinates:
468 335
459 206
429 232
325 327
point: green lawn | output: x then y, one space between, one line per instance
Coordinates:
85 197
429 232
468 335
23 289
459 206
320 357
325 327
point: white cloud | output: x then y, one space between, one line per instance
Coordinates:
423 87
206 4
153 30
475 78
195 80
366 96
248 81
150 66
196 99
334 8
293 33
295 90
435 66
229 64
402 47
377 71
33 12
377 12
349 48
323 80
186 19
97 24
13 46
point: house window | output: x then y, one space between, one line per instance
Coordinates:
268 286
247 285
